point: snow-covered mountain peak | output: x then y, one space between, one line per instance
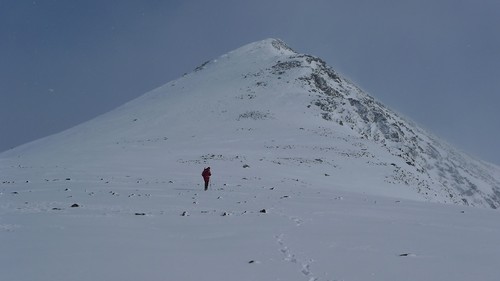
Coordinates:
269 47
312 179
259 51
270 108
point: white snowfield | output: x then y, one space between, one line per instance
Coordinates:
312 180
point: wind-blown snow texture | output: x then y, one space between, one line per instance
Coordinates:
313 180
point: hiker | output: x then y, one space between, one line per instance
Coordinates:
206 176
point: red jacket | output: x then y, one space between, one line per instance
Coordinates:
206 174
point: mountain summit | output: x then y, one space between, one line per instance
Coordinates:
264 113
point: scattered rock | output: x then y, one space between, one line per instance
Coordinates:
263 211
75 206
56 209
246 166
140 214
184 214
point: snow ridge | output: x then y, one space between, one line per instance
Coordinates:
432 162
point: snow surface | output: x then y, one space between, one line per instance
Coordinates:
306 232
293 195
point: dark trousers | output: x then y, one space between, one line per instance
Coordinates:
206 184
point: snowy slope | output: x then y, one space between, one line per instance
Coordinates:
312 180
272 108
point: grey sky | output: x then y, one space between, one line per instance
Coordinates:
435 61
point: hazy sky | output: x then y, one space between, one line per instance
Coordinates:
437 62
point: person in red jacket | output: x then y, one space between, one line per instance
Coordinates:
206 176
